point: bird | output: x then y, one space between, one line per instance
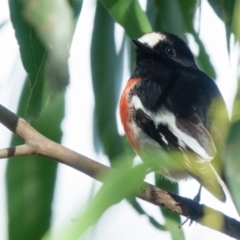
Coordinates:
170 105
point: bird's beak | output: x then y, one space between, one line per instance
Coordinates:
140 46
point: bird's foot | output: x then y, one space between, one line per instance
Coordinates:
197 199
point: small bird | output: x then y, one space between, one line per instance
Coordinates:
170 105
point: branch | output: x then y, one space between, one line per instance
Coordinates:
37 144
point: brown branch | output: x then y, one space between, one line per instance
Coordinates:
37 144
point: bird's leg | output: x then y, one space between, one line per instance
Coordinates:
197 198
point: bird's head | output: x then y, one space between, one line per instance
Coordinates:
164 47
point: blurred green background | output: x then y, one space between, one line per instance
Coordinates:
44 31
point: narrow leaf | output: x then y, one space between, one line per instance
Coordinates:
116 188
232 163
188 8
232 166
43 30
129 14
169 17
236 21
224 10
76 6
53 24
107 69
31 180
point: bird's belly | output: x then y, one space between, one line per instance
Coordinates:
150 150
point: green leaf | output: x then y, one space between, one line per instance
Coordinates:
53 24
76 6
31 180
129 14
224 10
168 17
116 187
236 21
232 164
107 70
44 31
203 58
188 8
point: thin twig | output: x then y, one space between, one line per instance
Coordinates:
37 144
21 150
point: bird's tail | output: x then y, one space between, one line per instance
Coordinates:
222 184
207 176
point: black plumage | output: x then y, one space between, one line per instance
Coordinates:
178 106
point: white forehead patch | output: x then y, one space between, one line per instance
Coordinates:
152 39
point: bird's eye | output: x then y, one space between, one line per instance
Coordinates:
170 51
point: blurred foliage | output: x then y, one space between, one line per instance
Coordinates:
114 190
76 7
3 24
129 15
236 21
31 180
44 31
232 166
106 78
224 11
232 163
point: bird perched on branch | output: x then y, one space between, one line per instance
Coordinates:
170 105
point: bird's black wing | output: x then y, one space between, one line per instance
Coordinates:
160 133
197 138
185 134
193 160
